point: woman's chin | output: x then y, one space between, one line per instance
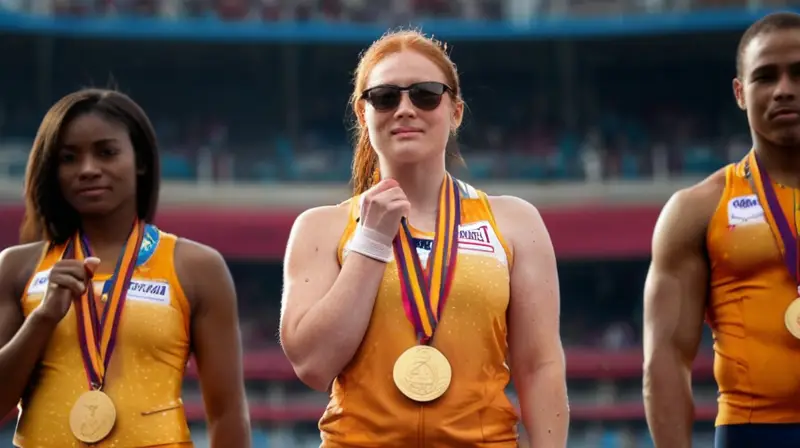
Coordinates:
408 152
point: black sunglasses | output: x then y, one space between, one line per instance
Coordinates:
423 95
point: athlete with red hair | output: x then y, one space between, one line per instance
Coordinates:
407 300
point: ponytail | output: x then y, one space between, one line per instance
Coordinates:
365 163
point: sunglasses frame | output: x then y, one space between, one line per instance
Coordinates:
410 89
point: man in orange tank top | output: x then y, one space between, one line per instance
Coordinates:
727 249
99 310
409 301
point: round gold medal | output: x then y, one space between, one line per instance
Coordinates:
92 417
422 373
792 318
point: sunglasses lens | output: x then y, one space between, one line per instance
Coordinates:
384 98
424 95
427 95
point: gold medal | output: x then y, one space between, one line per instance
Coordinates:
792 318
422 373
92 417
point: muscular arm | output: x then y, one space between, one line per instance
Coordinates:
216 343
537 356
674 303
325 310
22 341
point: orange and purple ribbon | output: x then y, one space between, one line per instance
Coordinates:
425 291
97 333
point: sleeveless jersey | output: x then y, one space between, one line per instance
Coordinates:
367 410
145 375
750 289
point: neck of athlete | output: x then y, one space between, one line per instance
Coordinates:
781 162
420 182
109 232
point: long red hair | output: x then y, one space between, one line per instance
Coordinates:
365 160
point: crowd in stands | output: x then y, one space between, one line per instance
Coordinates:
537 154
273 10
230 133
362 11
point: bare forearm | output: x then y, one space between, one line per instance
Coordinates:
668 402
231 429
19 356
544 406
330 333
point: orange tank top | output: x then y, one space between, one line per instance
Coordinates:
145 375
366 409
751 289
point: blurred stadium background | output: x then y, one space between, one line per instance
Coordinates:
595 110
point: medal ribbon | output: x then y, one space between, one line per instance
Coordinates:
778 222
425 291
97 334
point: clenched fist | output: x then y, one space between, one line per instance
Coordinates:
68 281
382 207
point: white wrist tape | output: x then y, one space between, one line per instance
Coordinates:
368 243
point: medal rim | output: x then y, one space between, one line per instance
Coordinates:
399 370
76 419
790 318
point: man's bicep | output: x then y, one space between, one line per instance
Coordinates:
677 282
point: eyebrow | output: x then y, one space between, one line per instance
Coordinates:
95 142
762 68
